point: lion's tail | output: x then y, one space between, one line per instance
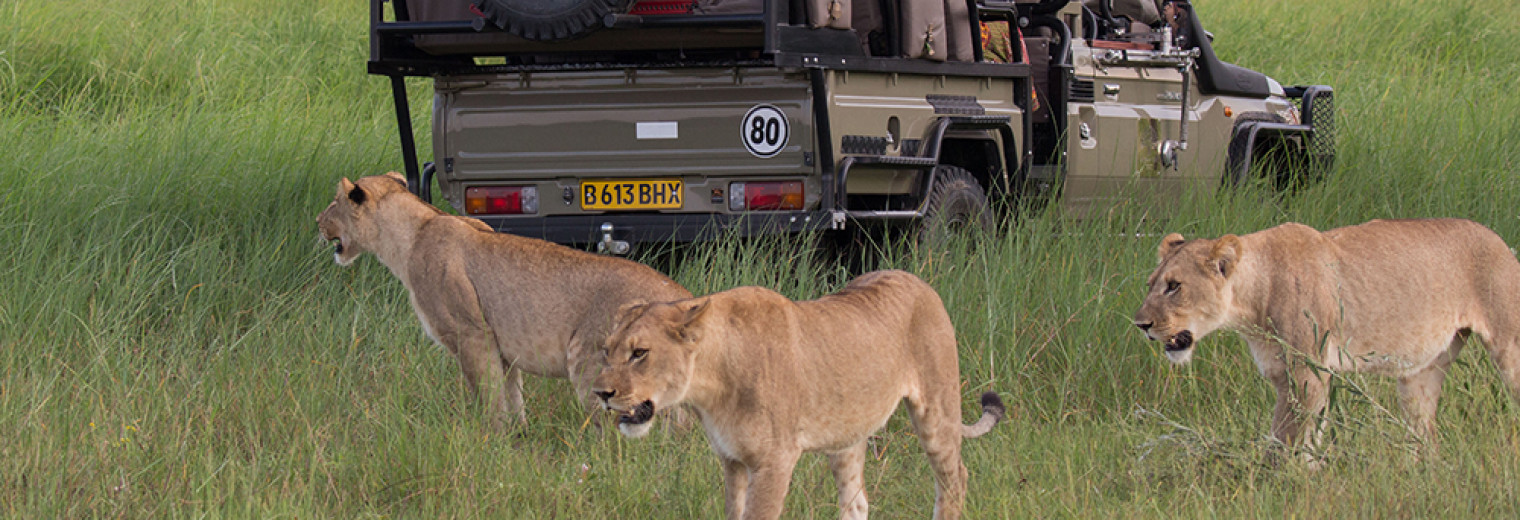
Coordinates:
993 412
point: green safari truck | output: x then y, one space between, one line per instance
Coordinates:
616 122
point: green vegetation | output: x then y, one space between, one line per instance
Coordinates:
175 340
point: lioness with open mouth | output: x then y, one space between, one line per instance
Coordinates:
772 378
501 304
1397 298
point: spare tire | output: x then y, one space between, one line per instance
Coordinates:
550 20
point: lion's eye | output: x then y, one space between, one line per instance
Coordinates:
638 354
1171 287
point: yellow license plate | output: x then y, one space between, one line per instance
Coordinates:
632 194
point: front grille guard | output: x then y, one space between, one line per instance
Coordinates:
1318 112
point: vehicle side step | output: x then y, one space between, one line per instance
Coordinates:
982 122
895 160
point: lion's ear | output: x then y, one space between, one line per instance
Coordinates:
396 177
355 193
628 311
692 311
1169 243
344 186
1225 254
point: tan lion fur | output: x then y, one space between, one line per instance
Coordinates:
772 378
501 304
1396 298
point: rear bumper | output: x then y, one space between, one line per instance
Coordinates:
658 228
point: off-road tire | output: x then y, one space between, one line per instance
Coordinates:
957 204
550 20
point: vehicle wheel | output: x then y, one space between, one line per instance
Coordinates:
1237 169
550 20
957 204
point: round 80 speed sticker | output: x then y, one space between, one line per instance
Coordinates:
764 131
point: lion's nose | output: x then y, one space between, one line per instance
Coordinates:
1144 325
606 395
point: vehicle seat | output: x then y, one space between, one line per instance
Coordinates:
937 30
1136 16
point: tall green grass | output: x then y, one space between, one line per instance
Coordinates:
175 341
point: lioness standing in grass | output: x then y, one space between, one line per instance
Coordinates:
772 378
1397 298
502 304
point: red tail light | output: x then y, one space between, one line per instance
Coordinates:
765 196
501 200
661 7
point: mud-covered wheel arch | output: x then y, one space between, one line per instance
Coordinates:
1266 156
550 20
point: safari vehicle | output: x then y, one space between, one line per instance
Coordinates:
618 121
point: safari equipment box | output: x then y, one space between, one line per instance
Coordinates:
610 121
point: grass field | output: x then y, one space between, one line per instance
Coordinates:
176 342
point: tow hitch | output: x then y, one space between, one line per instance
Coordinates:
609 246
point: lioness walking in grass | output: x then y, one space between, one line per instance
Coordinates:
1391 297
501 304
773 378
